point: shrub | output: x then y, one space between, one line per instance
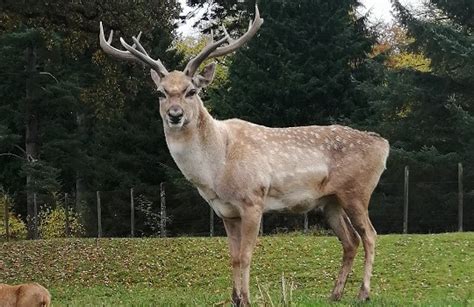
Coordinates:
17 227
52 223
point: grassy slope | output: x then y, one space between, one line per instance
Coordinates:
412 269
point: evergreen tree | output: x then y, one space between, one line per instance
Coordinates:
80 95
426 113
301 68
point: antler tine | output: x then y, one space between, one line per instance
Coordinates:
229 39
107 47
235 44
137 44
144 57
132 54
193 65
111 34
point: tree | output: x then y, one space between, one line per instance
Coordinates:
301 67
421 100
72 113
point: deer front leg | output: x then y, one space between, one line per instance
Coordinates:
251 216
233 230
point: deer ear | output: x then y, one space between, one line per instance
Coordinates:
156 76
204 78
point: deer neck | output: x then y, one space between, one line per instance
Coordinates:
198 149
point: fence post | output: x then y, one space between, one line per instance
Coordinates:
163 210
7 226
132 214
211 222
35 212
460 197
66 213
305 223
99 217
405 198
261 226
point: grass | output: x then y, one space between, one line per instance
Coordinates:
434 270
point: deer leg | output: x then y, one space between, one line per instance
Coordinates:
359 216
233 230
342 227
251 215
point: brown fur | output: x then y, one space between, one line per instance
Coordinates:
24 295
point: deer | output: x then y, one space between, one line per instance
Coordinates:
244 170
24 295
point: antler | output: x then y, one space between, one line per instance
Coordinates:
212 50
132 54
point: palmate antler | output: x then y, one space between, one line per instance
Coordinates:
137 53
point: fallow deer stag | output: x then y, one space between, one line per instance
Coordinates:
243 170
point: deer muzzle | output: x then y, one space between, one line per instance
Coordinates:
175 115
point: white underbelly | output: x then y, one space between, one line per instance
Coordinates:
224 209
295 202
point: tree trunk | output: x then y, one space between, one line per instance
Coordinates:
80 185
31 134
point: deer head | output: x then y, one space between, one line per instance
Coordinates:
178 90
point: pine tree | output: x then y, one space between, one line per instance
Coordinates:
301 67
425 113
81 95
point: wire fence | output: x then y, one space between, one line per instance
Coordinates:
405 206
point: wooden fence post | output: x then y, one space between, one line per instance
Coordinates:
211 222
6 220
405 198
99 217
163 210
460 197
66 213
35 213
305 223
132 214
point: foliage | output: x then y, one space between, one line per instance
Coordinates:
152 219
87 104
408 270
190 47
301 68
52 223
312 62
17 228
420 97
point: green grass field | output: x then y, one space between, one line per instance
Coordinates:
435 270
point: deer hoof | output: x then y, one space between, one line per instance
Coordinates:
336 297
363 295
236 300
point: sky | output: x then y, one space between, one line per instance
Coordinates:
380 11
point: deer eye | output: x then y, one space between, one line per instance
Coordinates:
191 93
160 94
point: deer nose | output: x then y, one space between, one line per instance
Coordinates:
175 114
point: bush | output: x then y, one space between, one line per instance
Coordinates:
17 228
52 223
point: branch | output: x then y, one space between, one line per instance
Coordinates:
9 154
49 74
20 148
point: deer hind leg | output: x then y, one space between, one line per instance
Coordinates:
251 216
342 227
233 230
357 211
